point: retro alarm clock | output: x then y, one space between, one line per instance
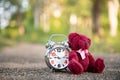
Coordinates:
57 52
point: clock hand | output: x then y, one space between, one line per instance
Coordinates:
58 57
65 57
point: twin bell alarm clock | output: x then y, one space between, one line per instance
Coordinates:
56 56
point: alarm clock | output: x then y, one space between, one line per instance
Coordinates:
56 56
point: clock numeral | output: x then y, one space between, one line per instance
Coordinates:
53 54
52 61
55 65
65 54
65 61
59 65
62 50
58 50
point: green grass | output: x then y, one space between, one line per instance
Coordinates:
106 44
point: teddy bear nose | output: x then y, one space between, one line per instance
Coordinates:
85 42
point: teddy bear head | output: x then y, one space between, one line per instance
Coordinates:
78 41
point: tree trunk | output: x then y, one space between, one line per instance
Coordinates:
113 6
46 27
38 9
20 23
36 16
96 16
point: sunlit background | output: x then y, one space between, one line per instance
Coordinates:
33 21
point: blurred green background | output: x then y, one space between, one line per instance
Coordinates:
33 21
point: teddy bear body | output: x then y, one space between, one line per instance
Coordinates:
80 60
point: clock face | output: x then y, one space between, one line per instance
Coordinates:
58 57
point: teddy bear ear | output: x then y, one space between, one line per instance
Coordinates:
72 35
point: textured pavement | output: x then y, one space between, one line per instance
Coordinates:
26 62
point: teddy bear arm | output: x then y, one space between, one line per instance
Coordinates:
73 55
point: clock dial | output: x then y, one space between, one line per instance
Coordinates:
59 58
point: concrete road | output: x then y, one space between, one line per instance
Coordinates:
26 62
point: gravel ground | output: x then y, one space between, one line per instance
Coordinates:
26 62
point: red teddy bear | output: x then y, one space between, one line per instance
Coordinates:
80 60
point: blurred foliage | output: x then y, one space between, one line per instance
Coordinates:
79 7
82 8
58 25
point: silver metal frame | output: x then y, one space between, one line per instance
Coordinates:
50 45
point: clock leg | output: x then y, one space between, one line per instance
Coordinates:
67 70
52 70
